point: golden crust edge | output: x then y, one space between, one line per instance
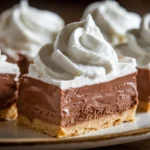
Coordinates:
9 113
88 126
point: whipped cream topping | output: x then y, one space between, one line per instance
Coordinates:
79 56
138 45
6 67
112 19
25 29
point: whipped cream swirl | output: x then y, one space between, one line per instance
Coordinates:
25 29
112 19
79 56
138 45
9 68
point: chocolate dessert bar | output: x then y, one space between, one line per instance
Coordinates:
77 85
143 86
138 46
9 74
8 95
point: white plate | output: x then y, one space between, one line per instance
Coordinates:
16 137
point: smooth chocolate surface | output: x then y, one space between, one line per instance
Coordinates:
8 90
143 84
49 103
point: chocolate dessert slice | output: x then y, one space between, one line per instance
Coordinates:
138 47
77 85
9 74
143 86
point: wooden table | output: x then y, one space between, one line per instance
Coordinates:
71 10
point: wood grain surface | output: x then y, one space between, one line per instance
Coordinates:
71 10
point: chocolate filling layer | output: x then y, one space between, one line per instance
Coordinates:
143 84
76 105
8 90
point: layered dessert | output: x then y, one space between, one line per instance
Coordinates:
77 84
138 47
24 30
113 20
9 74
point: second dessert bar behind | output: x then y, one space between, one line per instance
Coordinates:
138 47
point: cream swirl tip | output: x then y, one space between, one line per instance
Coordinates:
26 28
138 45
112 19
80 49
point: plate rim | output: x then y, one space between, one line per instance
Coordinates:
96 138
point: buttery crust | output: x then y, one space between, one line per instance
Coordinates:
9 113
144 106
58 131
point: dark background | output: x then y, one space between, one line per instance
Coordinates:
71 10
